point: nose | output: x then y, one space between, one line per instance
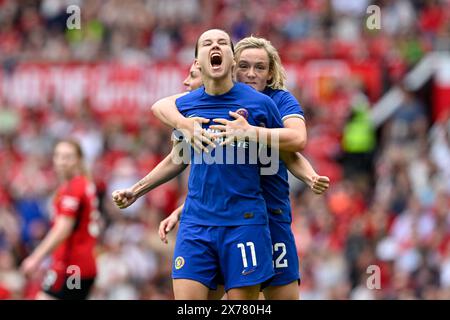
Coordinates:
215 46
186 82
251 72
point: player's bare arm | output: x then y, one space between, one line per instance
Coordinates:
166 111
298 165
165 171
289 139
169 223
163 110
58 233
302 169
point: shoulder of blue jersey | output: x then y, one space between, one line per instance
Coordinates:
254 94
289 105
195 94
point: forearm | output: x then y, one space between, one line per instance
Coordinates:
163 172
299 166
55 237
168 114
178 211
286 139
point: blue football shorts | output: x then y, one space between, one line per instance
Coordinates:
285 257
239 256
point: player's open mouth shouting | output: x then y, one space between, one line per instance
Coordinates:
216 60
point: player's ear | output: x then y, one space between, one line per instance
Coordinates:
270 78
197 65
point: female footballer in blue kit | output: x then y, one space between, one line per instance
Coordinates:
224 212
260 67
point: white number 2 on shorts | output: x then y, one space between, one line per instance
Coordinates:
280 262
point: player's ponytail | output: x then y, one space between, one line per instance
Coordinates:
276 69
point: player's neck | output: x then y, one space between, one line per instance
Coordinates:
70 176
215 87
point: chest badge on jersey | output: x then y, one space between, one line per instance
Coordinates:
243 113
179 262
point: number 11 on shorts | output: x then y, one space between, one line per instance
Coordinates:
251 245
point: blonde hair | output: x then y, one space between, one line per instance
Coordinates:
276 69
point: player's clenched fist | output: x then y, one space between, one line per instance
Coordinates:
124 198
320 184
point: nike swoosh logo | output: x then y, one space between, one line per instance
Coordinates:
244 272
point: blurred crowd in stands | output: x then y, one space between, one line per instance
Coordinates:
389 201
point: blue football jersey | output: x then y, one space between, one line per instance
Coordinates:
221 190
276 187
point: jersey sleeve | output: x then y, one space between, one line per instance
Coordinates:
273 115
71 199
290 108
182 102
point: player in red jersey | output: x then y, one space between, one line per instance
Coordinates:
72 237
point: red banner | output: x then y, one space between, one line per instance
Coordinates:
105 86
115 86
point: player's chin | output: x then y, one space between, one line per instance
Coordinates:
217 71
62 172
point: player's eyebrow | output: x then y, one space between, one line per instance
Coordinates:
243 62
257 63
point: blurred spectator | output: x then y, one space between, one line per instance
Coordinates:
359 141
